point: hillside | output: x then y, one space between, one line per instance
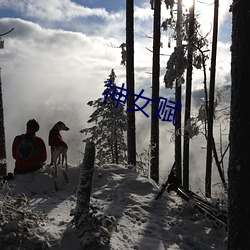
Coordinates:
141 221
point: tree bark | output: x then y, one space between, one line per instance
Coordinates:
131 131
154 168
178 156
3 161
83 192
188 97
239 159
211 102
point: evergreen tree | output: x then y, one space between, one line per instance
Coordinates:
191 26
110 125
189 52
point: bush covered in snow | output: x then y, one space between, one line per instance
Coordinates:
20 228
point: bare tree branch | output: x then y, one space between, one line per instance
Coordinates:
7 32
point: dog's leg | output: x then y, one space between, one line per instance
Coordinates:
55 158
63 157
59 159
66 161
56 170
51 155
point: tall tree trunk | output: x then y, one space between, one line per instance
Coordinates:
3 161
116 152
154 168
131 131
178 157
211 102
239 159
188 97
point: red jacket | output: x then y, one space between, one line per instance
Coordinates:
37 159
55 139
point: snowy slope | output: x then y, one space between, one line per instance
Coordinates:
141 221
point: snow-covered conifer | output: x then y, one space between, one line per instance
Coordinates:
110 125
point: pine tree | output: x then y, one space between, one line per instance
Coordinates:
110 125
189 73
189 52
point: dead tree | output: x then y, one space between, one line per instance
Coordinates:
84 187
93 229
211 103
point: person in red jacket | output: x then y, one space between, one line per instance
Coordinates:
29 150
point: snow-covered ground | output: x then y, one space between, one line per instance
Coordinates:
141 221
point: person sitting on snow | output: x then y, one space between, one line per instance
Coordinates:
29 150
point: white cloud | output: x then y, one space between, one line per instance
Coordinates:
51 73
205 12
46 71
143 13
53 10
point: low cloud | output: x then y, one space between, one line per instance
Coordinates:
56 10
51 69
50 75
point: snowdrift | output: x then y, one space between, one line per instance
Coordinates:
141 221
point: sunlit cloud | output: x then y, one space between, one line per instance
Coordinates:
58 56
45 71
205 14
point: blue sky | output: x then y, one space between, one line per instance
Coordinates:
67 14
108 5
61 51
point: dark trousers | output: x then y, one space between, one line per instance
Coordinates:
25 171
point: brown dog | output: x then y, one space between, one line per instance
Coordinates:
58 146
